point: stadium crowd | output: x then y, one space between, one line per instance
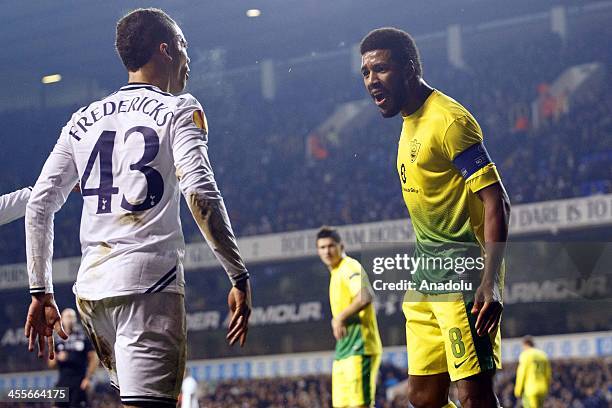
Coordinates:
577 383
272 184
580 383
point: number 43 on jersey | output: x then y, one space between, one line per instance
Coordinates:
105 190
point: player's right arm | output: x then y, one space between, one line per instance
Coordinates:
362 295
13 205
198 185
360 300
57 178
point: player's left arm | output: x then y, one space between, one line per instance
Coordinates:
362 296
488 304
57 178
463 144
197 182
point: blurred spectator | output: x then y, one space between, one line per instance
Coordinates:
76 361
189 392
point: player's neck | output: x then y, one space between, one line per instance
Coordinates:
418 95
337 263
148 76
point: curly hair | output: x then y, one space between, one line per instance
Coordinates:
400 43
139 33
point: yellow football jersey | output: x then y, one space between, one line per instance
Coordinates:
345 283
533 373
442 163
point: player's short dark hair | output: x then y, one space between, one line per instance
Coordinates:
139 33
329 232
400 43
528 340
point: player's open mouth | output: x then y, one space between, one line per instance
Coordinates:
379 98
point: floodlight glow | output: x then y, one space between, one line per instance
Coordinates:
253 13
50 79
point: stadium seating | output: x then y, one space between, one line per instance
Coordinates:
585 383
270 185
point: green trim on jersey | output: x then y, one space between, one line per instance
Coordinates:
483 345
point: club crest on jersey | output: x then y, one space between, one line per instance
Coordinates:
200 120
414 150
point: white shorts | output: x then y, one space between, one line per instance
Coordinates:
140 340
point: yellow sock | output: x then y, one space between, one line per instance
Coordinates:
450 405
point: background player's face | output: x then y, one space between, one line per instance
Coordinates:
179 72
69 319
384 81
329 251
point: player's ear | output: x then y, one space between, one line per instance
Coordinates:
410 70
164 50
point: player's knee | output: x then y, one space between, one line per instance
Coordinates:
477 391
425 398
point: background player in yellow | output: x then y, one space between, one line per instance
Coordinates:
459 209
358 345
533 375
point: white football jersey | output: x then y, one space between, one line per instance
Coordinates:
13 205
131 152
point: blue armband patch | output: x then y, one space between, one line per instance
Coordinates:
472 159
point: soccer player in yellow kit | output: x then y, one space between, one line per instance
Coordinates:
533 375
459 209
358 345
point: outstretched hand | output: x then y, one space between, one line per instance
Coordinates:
239 302
42 319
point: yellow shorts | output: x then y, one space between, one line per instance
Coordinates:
533 401
441 337
354 381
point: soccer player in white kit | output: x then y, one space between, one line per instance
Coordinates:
132 152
